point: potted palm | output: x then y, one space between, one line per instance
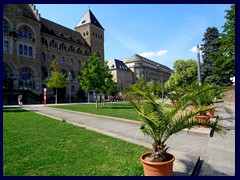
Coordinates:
175 96
205 95
160 123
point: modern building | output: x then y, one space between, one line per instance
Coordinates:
122 75
31 42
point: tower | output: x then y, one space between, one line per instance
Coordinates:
93 33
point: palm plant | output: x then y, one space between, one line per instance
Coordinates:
160 123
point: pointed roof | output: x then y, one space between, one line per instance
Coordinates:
89 18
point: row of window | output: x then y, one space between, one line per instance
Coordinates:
53 57
23 32
22 49
63 47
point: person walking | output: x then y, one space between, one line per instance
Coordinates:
20 103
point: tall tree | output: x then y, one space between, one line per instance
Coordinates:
209 47
184 72
57 79
94 75
225 57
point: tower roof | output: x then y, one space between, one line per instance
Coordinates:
89 18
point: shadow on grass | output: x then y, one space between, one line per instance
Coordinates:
14 110
116 107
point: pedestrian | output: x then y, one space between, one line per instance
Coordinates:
20 103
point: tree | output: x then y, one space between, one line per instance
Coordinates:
224 58
209 47
184 72
57 79
95 76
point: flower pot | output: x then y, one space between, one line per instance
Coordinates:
203 118
193 108
157 168
210 113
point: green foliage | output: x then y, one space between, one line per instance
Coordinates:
209 47
184 72
96 76
57 79
221 52
160 123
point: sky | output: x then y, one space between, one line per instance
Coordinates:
163 33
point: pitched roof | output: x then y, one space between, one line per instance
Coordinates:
60 31
27 11
117 64
89 18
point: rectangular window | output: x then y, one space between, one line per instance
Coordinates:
20 50
30 51
5 46
25 50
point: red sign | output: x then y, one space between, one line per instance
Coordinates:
45 96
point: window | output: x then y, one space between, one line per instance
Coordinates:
42 57
71 62
5 27
20 49
25 50
72 88
79 63
5 46
25 33
53 57
30 51
62 61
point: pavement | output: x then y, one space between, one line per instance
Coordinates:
196 153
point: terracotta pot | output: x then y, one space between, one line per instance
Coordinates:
193 108
157 168
176 103
203 118
210 113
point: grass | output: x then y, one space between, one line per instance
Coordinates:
120 110
35 145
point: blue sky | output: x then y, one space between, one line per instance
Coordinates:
161 32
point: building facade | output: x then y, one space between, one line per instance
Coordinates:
130 70
31 42
122 75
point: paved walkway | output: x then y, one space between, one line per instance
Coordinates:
216 155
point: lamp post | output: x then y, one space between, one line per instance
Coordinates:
199 69
69 73
162 90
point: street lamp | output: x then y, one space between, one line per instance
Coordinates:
162 90
199 70
69 75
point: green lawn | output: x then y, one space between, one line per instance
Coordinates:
35 145
119 110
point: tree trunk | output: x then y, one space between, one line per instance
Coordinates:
56 97
96 101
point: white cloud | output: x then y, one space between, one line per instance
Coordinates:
194 49
153 54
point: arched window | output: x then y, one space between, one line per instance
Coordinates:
20 49
44 73
79 63
30 51
53 57
5 27
26 79
71 62
62 61
5 46
42 56
25 33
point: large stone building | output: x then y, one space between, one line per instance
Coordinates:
31 42
122 75
130 70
